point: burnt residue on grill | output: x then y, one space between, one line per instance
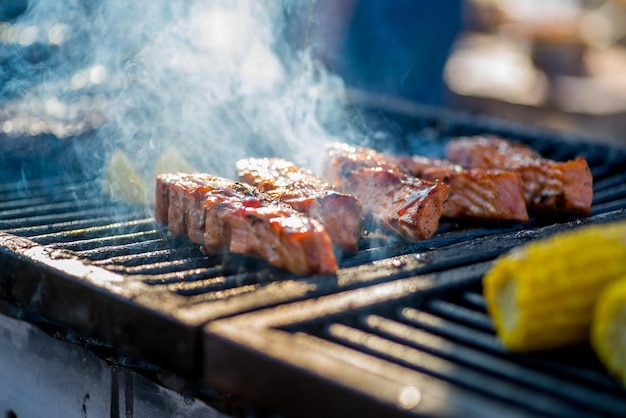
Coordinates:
104 269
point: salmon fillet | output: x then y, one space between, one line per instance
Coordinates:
224 215
406 205
475 193
340 213
178 189
549 186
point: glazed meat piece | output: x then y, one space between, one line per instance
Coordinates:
162 197
343 158
409 206
549 186
475 193
278 234
174 214
406 205
229 216
340 213
180 200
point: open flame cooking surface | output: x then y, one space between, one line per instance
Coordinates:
106 270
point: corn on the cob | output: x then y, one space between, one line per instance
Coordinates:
541 295
123 182
608 329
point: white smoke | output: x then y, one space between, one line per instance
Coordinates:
214 80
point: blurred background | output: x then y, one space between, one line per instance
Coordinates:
555 63
552 63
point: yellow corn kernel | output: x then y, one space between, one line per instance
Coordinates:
608 329
123 182
541 295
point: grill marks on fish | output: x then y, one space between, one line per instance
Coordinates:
408 206
549 186
297 217
475 193
340 213
228 216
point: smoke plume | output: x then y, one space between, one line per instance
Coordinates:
204 82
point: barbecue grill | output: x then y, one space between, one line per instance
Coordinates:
400 330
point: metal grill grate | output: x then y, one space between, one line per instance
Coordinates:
436 335
107 271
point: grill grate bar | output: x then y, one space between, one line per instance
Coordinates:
63 227
75 232
613 205
475 337
615 180
66 193
42 183
20 222
601 173
503 368
440 240
136 248
606 195
181 276
109 240
207 286
459 314
603 170
149 257
13 204
474 300
200 295
50 208
45 187
161 267
446 370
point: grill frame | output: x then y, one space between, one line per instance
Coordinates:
118 279
281 370
95 303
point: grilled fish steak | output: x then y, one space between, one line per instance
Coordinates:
340 213
408 206
475 193
228 216
549 186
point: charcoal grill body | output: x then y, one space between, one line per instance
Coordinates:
400 330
